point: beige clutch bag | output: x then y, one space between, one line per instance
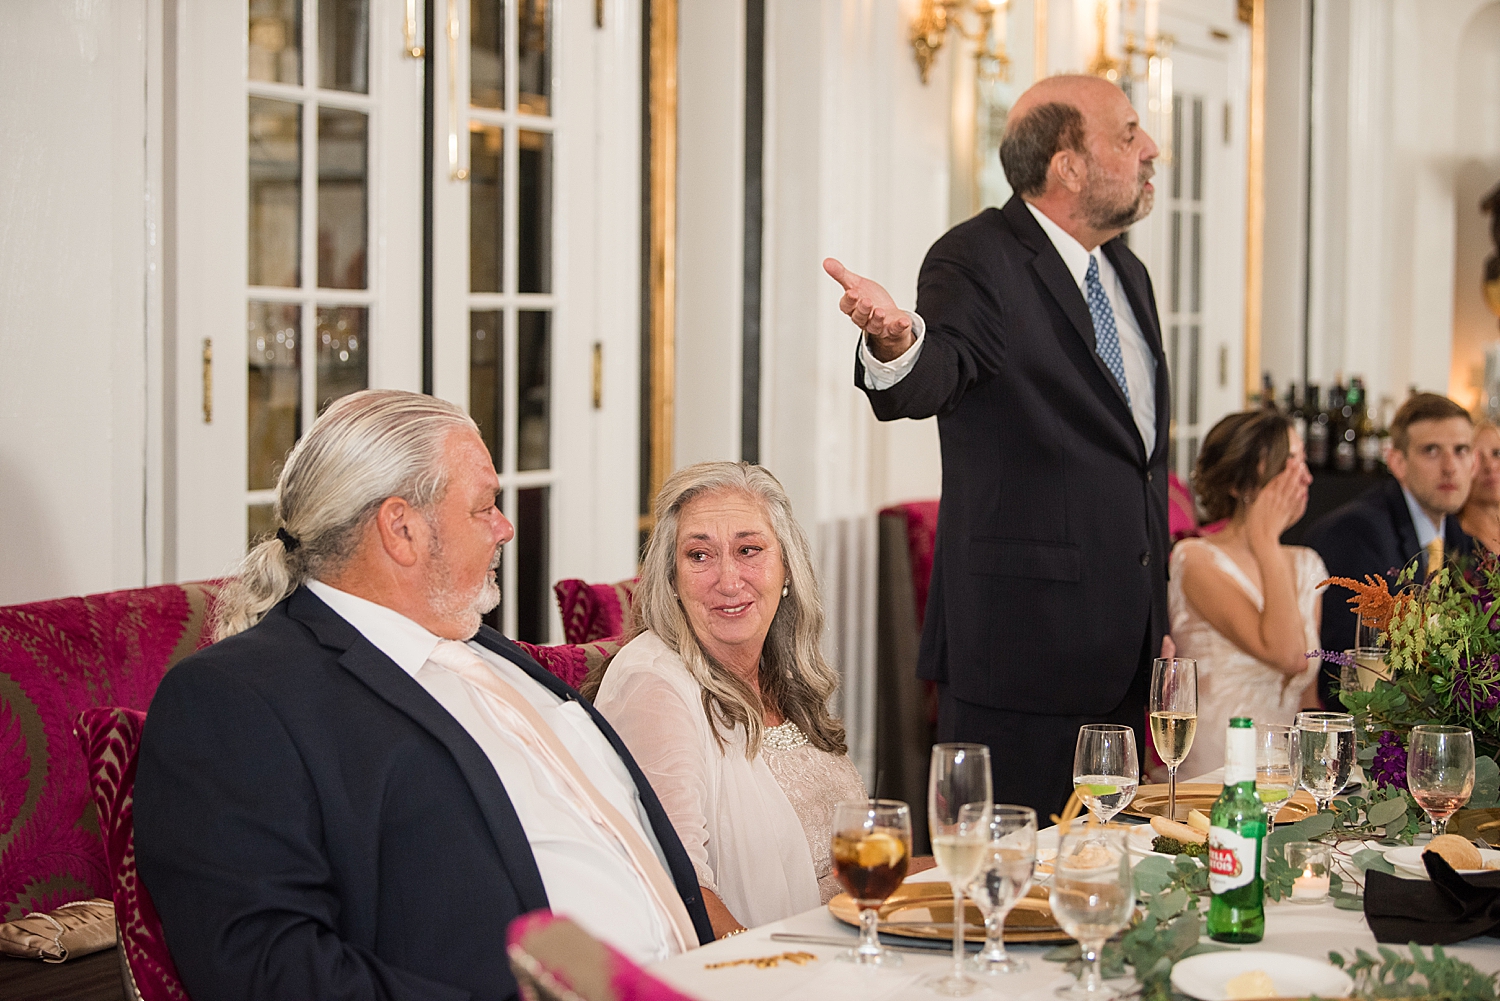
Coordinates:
72 930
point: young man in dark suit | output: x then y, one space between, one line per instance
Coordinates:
1036 343
355 791
1431 459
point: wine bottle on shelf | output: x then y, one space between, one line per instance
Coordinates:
1317 430
1295 412
1236 843
1367 439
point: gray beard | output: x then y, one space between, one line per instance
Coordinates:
466 605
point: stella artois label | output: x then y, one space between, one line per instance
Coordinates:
1231 859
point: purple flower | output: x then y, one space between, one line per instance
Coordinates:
1389 766
1338 657
1476 683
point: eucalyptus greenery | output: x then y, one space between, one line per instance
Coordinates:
1439 977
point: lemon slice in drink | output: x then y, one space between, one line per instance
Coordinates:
880 848
1272 795
1098 789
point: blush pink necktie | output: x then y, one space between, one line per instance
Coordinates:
528 726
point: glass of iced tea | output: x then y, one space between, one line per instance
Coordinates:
871 853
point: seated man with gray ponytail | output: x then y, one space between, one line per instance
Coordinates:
355 791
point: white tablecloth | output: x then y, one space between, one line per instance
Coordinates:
1310 930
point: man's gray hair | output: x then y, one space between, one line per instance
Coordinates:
1034 139
365 448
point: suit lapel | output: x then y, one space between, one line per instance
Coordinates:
381 675
1058 280
1406 532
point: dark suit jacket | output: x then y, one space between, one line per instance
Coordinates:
1372 534
312 824
1049 574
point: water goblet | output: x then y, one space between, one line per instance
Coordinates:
1275 767
1106 769
1174 716
1325 743
1440 771
871 854
1004 877
1093 896
958 816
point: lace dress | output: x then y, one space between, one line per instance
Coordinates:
756 829
1230 681
813 782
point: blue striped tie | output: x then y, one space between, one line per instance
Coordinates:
1106 337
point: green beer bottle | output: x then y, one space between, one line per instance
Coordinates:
1236 840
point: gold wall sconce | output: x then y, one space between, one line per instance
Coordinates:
929 30
1147 61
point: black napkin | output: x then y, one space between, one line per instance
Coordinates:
1449 909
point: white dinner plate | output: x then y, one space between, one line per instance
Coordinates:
1141 839
1409 859
1204 976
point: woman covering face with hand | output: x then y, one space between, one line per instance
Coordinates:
1243 605
722 694
1480 517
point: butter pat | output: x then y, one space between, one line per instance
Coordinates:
1249 985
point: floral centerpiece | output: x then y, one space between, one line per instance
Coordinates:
1443 666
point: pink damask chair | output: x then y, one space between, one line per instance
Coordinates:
555 960
110 739
594 611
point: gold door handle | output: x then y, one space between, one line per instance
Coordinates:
208 380
456 171
409 32
598 375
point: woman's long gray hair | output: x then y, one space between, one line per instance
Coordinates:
366 447
794 679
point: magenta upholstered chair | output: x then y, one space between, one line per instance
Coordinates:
594 611
110 739
555 960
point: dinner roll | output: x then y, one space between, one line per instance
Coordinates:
1456 851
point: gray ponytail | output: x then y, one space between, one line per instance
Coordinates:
365 448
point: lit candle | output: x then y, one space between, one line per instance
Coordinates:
1152 20
1309 886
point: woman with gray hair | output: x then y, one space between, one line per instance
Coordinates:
722 694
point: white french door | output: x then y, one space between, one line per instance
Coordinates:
295 199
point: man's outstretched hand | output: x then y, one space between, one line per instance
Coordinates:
887 327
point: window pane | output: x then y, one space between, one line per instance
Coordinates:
1175 371
262 523
534 253
534 38
532 572
486 207
276 40
1195 265
486 53
1174 267
1197 149
342 209
275 193
486 367
1192 378
533 390
275 385
343 352
1177 150
495 617
344 45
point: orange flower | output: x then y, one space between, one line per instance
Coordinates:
1372 599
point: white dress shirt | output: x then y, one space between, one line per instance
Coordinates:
1140 364
1426 530
586 875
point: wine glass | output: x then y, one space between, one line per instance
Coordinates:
1106 769
958 821
1325 754
1004 877
1440 771
1093 896
1275 767
1174 716
871 853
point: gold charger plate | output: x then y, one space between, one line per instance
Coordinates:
1151 801
1477 824
925 910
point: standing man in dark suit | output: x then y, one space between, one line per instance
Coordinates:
1036 343
1415 513
355 792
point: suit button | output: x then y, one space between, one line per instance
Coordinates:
1150 476
1145 559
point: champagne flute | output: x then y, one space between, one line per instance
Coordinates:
1106 769
1174 716
1275 767
1440 771
1093 896
871 853
1004 877
958 819
1325 754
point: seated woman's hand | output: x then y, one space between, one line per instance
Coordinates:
920 863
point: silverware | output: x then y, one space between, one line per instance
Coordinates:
936 947
1480 843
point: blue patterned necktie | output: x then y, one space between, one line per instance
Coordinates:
1106 337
